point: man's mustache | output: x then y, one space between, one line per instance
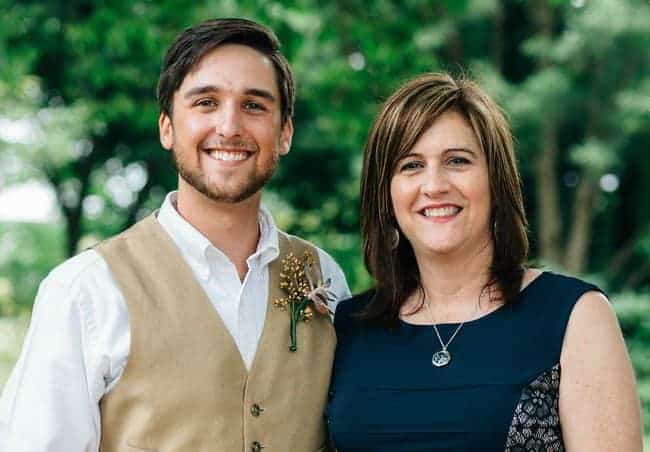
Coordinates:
231 144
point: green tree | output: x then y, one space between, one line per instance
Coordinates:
578 106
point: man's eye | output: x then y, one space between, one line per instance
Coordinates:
206 103
254 106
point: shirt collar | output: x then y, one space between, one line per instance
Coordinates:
197 249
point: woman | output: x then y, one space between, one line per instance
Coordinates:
460 346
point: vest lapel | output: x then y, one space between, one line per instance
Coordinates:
183 277
276 319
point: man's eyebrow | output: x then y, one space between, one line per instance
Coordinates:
205 89
198 90
257 92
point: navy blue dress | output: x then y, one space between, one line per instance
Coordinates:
499 392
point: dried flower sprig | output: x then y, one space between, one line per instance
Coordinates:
297 282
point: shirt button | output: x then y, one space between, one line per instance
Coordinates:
256 410
256 447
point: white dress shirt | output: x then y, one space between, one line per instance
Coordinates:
77 344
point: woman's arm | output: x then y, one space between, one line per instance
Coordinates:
599 404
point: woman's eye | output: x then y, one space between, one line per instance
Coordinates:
458 161
410 166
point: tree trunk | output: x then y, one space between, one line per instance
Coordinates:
548 208
579 240
73 232
624 253
580 235
73 215
637 277
497 45
546 178
454 47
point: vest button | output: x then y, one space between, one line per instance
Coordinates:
256 447
256 410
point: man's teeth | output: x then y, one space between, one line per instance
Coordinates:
228 156
441 211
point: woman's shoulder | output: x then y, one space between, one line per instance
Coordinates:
547 303
555 287
586 300
564 281
548 298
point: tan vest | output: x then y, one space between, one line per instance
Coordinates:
185 386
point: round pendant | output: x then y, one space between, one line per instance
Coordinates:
441 358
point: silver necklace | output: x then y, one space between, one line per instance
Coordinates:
442 357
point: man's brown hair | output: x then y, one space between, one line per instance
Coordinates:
188 49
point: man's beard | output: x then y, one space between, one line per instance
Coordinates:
252 185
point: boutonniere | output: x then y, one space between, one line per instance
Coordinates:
303 293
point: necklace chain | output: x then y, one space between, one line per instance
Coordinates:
442 344
435 328
442 357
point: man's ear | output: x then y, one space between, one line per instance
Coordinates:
285 137
166 131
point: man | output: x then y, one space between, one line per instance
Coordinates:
125 350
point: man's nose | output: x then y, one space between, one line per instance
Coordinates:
228 121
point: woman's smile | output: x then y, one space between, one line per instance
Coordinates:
440 189
441 213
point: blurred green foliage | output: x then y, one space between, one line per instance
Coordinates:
12 333
81 74
78 111
33 250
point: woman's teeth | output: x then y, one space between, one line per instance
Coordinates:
441 211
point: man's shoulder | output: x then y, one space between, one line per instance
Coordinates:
86 265
89 264
135 231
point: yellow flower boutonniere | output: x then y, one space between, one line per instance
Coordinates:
303 294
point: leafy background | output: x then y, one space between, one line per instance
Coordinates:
78 116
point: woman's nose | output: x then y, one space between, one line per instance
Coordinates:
435 181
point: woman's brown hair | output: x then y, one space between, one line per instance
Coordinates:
404 117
